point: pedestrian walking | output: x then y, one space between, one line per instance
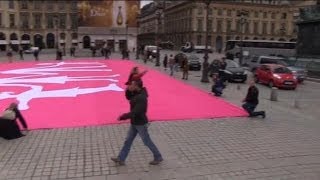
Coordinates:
123 53
165 62
36 54
59 54
176 63
72 51
251 101
106 53
21 54
9 55
185 69
93 49
127 54
139 125
102 51
171 64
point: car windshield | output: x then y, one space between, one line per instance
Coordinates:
193 58
281 70
232 64
283 63
269 61
152 48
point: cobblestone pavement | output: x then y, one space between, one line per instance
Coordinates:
285 145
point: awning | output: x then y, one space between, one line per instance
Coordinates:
3 42
15 42
25 41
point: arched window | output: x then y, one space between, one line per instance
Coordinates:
86 41
50 40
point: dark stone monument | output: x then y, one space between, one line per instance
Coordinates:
308 44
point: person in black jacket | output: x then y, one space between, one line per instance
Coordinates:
218 86
9 128
139 125
251 101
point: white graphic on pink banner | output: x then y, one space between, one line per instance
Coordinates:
48 73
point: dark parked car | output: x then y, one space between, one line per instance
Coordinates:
194 63
299 72
234 72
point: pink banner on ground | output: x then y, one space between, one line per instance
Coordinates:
90 92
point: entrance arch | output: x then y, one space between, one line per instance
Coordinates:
3 43
38 41
25 41
86 41
74 39
219 44
14 44
282 39
293 40
50 40
255 38
237 38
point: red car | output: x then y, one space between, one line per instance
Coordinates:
276 75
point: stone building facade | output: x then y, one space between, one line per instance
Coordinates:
111 23
185 21
44 24
309 33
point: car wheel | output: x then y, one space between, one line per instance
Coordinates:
256 79
271 84
254 70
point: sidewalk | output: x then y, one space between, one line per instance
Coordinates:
285 145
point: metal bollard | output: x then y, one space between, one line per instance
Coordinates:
238 87
296 103
274 94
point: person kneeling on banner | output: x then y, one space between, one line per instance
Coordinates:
9 128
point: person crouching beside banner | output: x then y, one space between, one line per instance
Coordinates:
9 128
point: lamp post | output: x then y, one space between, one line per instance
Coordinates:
137 43
158 14
205 65
127 23
243 21
56 21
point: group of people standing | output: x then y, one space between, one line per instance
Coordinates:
21 54
105 51
175 63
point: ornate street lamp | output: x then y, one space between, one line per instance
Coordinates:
205 65
137 43
158 14
127 26
243 20
56 23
